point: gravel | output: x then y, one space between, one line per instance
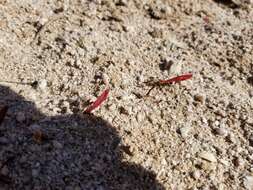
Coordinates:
56 57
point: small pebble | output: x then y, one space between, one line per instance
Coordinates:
175 68
124 110
156 33
221 131
208 156
105 79
238 162
140 116
221 113
248 182
225 162
184 131
42 84
196 174
35 172
57 145
231 137
199 98
35 127
20 117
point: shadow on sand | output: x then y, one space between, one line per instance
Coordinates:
78 152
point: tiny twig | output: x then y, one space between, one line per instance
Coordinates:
150 90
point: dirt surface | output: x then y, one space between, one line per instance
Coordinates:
57 56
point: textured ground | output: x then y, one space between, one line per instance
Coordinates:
197 134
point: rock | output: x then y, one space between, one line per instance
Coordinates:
124 110
208 156
199 98
20 117
176 68
196 174
221 131
225 162
35 172
248 182
35 127
57 145
140 116
184 131
42 84
105 79
159 11
231 138
221 113
238 162
156 33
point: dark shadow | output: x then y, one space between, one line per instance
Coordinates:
228 3
250 80
76 152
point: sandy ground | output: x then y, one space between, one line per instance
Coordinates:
57 56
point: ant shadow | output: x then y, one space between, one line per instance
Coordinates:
76 152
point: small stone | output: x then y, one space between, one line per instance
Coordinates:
221 131
105 79
184 131
221 113
156 33
174 68
196 174
20 117
199 98
124 110
231 138
208 156
140 116
42 84
35 127
159 11
238 162
248 182
128 28
216 123
57 145
225 162
78 63
35 172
